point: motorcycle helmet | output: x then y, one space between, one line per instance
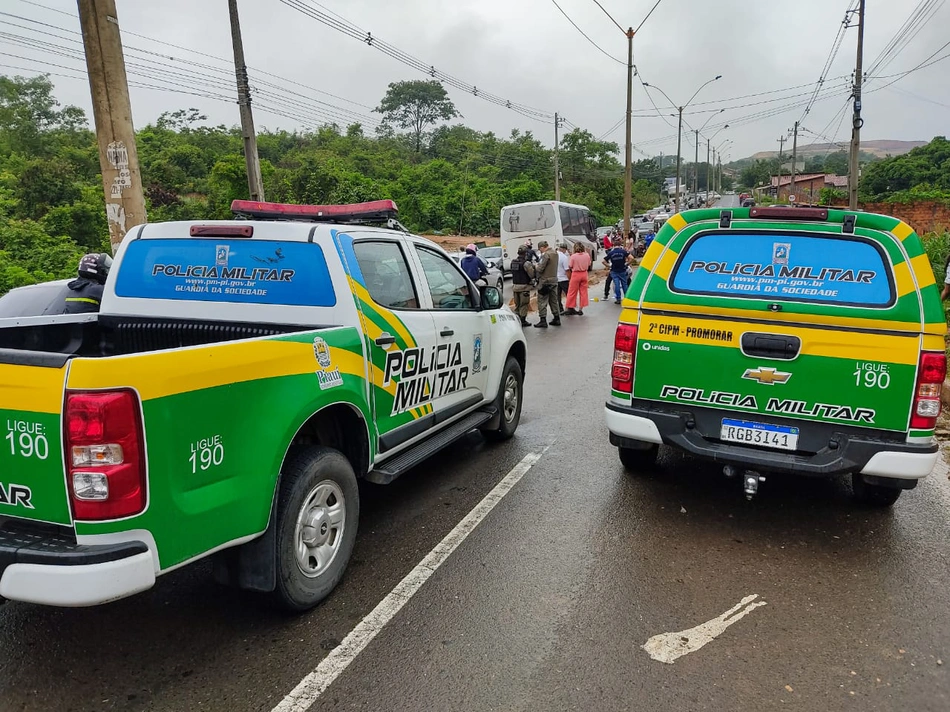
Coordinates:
95 267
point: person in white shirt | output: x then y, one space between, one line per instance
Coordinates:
563 281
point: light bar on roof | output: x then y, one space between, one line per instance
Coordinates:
357 212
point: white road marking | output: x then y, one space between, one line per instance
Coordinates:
333 665
667 647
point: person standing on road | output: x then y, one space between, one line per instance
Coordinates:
522 273
563 260
617 260
546 273
577 294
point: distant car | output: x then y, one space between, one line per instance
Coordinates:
34 300
748 203
493 255
495 276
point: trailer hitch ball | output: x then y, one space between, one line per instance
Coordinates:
751 482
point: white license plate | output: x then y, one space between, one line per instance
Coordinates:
780 437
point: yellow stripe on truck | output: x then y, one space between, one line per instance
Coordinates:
815 342
923 270
167 373
678 222
31 388
902 231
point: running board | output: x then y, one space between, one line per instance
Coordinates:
403 462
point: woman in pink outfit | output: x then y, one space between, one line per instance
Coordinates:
577 290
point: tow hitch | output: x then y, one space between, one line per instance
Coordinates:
750 480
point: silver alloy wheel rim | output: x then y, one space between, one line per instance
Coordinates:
319 530
511 397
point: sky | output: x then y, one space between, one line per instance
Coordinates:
525 51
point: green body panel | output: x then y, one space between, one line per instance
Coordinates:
193 509
815 380
32 483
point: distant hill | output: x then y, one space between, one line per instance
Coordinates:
881 149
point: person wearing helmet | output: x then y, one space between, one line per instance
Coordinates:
473 267
85 293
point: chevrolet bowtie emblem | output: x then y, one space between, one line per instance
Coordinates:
768 376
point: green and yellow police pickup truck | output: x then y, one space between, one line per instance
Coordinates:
787 340
239 379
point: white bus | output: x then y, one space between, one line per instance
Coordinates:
546 220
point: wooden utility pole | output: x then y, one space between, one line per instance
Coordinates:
254 182
557 165
112 111
628 168
856 121
679 156
696 170
791 190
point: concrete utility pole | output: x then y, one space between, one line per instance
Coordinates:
696 169
856 121
112 110
791 190
707 169
628 171
679 157
557 165
254 182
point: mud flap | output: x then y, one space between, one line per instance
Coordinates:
251 566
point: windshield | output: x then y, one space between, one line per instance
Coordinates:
529 218
818 269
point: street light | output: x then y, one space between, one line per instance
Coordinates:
696 162
708 144
679 132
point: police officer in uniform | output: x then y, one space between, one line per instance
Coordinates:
546 272
522 272
85 293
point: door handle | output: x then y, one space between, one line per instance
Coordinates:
385 339
771 346
446 332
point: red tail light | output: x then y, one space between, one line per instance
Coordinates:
625 349
930 376
105 454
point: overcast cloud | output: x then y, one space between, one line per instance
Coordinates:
526 51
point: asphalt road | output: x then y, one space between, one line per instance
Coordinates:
547 602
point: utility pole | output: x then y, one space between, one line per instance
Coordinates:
557 165
856 121
112 110
781 156
707 170
696 169
254 182
679 159
791 190
628 171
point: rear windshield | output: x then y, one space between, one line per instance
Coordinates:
222 270
789 267
528 218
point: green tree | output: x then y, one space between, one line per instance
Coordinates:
925 171
416 105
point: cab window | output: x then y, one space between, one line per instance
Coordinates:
815 268
447 285
386 274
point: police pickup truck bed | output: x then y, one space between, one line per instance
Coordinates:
240 377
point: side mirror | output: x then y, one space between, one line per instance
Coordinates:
491 298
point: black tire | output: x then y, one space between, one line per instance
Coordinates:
501 285
311 469
636 460
873 495
510 416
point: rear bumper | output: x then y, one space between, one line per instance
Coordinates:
50 570
836 450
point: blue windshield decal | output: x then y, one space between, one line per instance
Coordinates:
785 267
222 270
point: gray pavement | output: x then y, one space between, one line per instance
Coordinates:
548 601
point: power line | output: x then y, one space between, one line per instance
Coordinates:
352 30
597 46
648 16
835 48
915 22
597 3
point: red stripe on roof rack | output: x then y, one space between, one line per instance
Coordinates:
357 212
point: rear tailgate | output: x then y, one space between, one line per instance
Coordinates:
782 322
32 480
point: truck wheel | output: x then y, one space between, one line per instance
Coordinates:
317 515
873 495
508 402
639 460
